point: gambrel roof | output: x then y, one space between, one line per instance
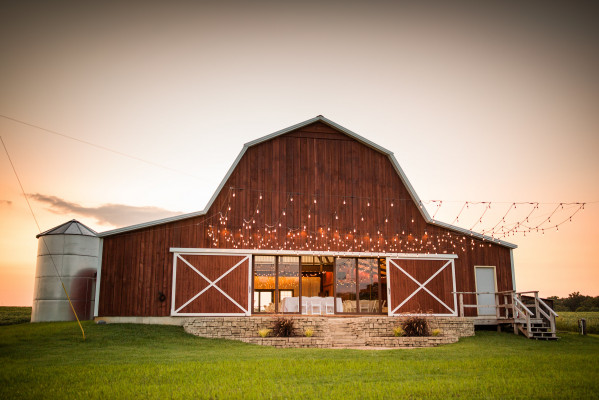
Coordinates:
341 129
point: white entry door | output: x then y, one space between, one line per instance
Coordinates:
485 283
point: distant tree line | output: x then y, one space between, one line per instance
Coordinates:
575 302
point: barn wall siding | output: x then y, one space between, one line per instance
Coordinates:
316 160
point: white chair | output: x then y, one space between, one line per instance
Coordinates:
329 305
305 305
364 305
316 308
374 306
349 305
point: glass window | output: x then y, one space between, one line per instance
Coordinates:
368 280
283 294
289 284
264 284
263 299
346 284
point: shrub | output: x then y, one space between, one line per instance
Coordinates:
436 332
309 332
263 332
283 327
415 326
398 331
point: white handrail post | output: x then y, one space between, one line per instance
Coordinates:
514 313
497 308
537 311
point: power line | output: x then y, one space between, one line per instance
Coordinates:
42 237
98 146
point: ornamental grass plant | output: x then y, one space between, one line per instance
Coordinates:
416 326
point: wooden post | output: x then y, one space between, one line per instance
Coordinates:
537 312
497 308
582 326
461 304
514 313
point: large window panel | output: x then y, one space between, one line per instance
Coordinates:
289 284
264 284
368 281
346 284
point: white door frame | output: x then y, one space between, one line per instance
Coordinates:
211 283
422 286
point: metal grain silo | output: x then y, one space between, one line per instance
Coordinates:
71 249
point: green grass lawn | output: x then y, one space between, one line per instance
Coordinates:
568 321
50 360
14 315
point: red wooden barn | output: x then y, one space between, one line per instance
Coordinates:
312 219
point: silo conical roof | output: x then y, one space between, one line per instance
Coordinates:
72 227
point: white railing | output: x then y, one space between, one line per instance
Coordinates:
502 310
541 309
509 305
520 310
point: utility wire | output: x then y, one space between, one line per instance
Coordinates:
120 153
42 237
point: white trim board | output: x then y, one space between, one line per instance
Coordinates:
230 252
349 133
98 278
421 286
211 283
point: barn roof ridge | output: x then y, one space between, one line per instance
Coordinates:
291 128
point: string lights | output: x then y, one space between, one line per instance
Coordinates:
310 225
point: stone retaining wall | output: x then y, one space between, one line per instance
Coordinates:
376 331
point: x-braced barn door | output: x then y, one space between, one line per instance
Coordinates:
421 286
211 284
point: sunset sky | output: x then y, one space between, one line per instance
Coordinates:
478 103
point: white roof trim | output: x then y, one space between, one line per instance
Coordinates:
340 128
410 256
